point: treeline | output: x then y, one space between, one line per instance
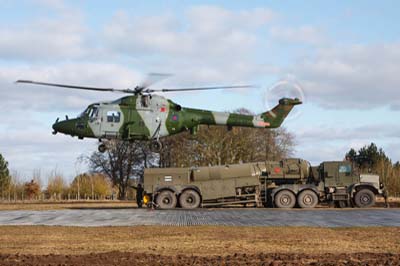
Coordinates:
372 159
83 187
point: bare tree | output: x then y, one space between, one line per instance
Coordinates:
122 161
216 145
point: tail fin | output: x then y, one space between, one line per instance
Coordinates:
276 116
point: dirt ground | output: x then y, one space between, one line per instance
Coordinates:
51 205
124 258
203 245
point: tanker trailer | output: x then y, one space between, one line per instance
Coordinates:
190 188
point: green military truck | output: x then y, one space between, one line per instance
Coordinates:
283 184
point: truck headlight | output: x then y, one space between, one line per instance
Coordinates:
146 199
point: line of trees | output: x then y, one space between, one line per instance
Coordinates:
372 159
84 186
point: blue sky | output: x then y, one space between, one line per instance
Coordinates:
344 56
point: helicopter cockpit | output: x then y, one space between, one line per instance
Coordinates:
92 112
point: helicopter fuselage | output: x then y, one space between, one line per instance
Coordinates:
149 117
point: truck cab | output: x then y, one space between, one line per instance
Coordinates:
344 186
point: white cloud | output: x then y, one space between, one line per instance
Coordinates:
32 97
300 35
352 76
44 38
209 42
360 133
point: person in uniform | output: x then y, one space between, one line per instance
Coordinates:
139 195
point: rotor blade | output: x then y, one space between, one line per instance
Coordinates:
73 87
150 79
203 88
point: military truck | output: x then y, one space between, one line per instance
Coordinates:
283 184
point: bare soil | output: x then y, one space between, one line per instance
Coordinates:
202 245
124 258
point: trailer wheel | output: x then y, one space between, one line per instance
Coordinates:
189 199
307 199
285 199
364 198
166 200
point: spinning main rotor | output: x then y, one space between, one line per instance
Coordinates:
143 88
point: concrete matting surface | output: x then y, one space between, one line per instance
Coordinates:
228 217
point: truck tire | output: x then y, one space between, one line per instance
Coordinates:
364 198
285 199
307 199
189 199
166 200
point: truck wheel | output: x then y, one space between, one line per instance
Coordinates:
364 198
166 200
285 199
307 199
189 199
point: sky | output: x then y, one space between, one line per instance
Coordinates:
342 58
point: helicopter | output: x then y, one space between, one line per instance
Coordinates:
143 115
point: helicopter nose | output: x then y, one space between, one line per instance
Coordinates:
65 126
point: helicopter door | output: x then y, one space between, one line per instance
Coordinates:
95 120
111 122
147 124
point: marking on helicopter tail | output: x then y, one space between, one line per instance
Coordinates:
163 109
264 124
220 118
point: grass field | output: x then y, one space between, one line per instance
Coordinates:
51 205
203 240
197 245
205 245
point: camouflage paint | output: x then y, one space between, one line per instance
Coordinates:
153 116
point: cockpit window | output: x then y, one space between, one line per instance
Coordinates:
93 112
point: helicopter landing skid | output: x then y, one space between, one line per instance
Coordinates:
155 145
102 148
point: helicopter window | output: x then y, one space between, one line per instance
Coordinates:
113 117
145 101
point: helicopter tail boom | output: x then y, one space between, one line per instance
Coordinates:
275 117
270 119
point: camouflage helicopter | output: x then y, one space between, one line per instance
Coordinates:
147 116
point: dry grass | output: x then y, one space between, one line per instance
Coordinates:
203 240
42 206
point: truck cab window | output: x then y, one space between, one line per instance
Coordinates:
345 169
113 116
